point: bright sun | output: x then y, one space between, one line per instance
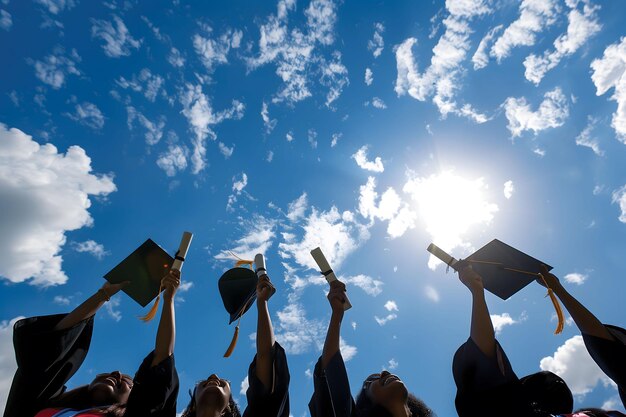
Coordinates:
449 205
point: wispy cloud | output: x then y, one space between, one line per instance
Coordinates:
360 157
87 114
92 247
214 51
509 189
117 40
585 138
369 76
154 130
173 160
147 83
619 197
377 44
552 112
54 68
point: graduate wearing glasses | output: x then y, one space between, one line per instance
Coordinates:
382 394
50 349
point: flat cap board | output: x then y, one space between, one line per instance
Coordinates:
237 287
503 278
144 268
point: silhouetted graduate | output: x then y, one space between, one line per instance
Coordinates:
381 394
50 349
268 374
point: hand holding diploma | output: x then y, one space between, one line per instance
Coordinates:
327 271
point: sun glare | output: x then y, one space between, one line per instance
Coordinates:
449 205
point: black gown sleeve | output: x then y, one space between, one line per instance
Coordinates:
269 403
155 389
610 355
46 360
486 386
331 395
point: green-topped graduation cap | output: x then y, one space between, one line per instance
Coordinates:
144 268
504 270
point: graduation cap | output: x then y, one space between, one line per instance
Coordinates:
237 288
504 270
144 269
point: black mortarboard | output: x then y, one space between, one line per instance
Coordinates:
238 290
144 268
504 270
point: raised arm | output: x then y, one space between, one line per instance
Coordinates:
90 306
584 319
166 334
264 333
336 298
481 331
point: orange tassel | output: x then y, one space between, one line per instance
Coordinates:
233 343
557 307
244 262
155 307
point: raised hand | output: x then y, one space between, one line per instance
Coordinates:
336 297
170 283
111 289
471 280
264 289
550 279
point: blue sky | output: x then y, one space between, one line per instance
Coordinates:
368 129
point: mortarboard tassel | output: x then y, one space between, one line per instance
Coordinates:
557 307
155 307
233 342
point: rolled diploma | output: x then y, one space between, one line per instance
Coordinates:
322 263
185 242
442 255
259 262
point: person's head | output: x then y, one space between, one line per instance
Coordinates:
212 393
548 392
110 388
383 392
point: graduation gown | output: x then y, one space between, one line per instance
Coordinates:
48 358
331 395
610 355
487 386
274 402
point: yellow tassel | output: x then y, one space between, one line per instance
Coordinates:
155 307
557 307
244 262
233 343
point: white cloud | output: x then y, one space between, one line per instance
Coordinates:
500 321
61 300
392 364
111 307
378 103
384 320
442 78
312 137
199 113
361 160
117 39
619 197
572 362
535 16
368 284
377 44
92 247
185 286
238 186
8 366
5 20
446 221
610 72
173 160
552 112
289 136
338 234
347 351
581 26
36 215
55 67
57 6
586 139
147 83
269 124
296 52
369 76
481 56
270 156
335 139
87 114
296 333
297 208
613 403
509 189
245 384
432 294
575 278
258 237
391 305
176 58
353 324
154 130
214 52
225 150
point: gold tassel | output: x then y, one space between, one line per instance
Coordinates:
557 307
155 307
244 262
233 342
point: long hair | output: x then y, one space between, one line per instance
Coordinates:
366 408
79 399
190 410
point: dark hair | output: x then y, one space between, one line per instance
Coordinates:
190 410
79 399
366 408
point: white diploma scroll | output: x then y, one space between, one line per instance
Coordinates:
327 271
179 258
442 255
259 262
